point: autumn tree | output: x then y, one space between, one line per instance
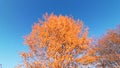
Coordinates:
57 42
108 49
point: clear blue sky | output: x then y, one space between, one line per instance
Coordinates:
18 16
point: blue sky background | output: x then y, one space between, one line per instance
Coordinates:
18 16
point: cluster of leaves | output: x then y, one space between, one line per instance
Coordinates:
108 49
62 42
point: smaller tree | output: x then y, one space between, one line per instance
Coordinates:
109 49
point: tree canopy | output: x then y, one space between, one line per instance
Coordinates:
62 42
108 48
57 42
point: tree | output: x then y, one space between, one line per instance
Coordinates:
57 42
108 49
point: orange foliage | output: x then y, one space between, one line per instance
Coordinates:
109 49
89 57
56 42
